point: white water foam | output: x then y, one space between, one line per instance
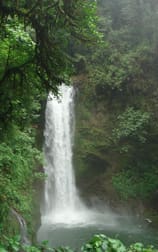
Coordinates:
61 198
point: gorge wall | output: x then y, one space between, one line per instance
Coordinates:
115 153
112 160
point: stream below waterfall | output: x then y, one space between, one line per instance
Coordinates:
66 221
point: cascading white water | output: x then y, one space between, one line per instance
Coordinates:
61 198
62 205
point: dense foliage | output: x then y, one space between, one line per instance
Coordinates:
117 103
98 243
35 57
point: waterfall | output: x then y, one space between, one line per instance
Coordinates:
61 198
23 227
62 204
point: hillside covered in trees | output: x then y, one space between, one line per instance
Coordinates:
116 129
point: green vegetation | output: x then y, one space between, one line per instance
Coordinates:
35 57
98 243
130 185
116 134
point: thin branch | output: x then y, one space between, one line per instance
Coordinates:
16 69
7 62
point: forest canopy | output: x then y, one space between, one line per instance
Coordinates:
35 57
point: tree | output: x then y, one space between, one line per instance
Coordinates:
34 59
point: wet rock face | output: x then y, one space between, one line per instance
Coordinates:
96 158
